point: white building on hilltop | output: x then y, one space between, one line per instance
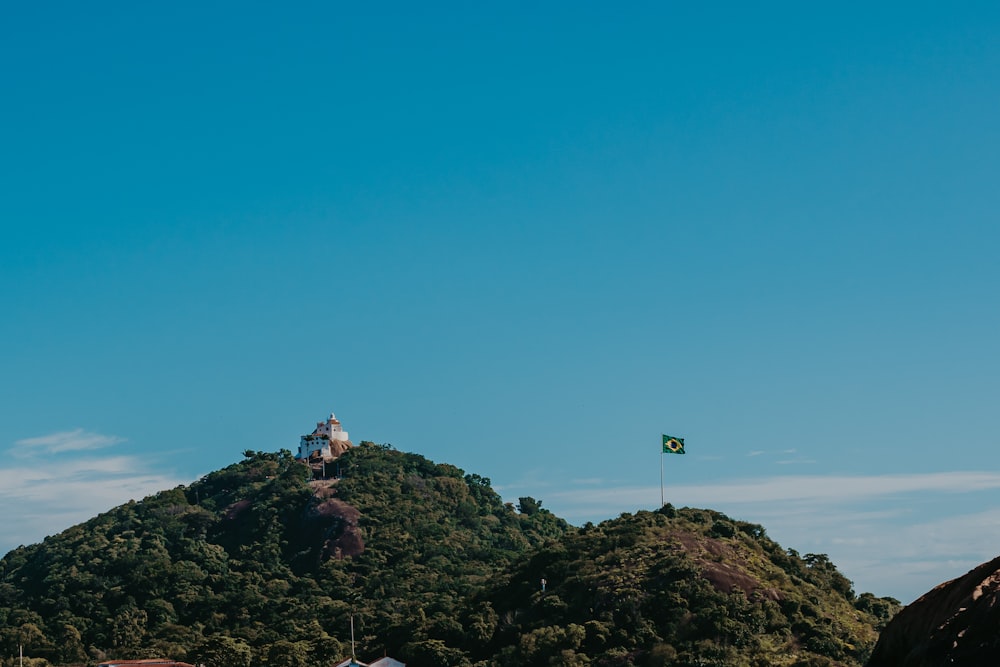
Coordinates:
329 440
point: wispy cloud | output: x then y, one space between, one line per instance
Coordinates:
39 503
894 535
37 500
64 441
783 452
840 488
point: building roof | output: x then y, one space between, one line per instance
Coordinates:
385 661
148 662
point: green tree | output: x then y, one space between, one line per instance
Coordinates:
528 505
432 652
284 653
128 630
222 651
70 646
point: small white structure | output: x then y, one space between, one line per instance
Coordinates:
329 440
381 662
387 662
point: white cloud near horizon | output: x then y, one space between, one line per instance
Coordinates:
898 534
842 488
64 441
37 503
41 499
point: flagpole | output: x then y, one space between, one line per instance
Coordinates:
661 476
671 445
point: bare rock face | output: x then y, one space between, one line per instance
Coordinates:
955 624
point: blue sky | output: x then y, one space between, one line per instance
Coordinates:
523 240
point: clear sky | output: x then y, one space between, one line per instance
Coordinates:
522 238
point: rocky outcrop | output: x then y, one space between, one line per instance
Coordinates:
955 624
341 535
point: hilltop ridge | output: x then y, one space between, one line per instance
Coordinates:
435 568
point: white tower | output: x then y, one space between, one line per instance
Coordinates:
328 438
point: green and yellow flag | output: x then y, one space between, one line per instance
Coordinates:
672 445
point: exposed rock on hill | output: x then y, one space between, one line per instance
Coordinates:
955 624
344 538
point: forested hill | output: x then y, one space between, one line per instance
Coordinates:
258 564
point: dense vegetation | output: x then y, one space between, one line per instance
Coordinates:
681 587
259 564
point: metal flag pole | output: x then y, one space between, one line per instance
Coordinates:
661 476
354 657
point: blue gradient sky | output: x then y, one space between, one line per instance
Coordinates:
523 240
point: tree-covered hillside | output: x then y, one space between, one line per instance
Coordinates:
259 564
260 553
680 587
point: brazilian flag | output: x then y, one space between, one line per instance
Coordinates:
672 445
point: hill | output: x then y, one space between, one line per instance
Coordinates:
682 587
953 624
259 564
